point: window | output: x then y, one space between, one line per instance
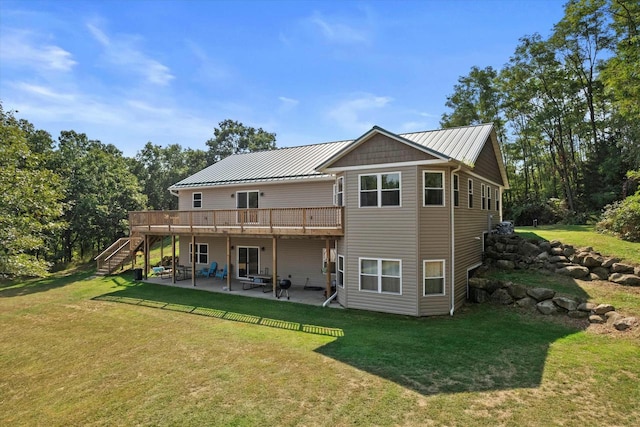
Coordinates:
433 189
433 277
247 200
338 196
202 253
456 190
381 275
340 276
380 190
497 200
470 193
197 200
483 196
488 198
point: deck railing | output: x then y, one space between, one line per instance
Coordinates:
315 220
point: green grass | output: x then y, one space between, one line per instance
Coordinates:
585 235
70 355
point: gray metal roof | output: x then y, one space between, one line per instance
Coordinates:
463 144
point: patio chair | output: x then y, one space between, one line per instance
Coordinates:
222 274
209 271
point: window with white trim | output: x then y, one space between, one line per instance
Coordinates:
434 280
247 199
381 275
202 253
489 198
470 193
338 192
456 190
340 275
382 189
497 200
197 200
433 188
483 197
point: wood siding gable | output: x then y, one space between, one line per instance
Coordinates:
380 149
487 164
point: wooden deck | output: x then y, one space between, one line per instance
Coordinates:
321 221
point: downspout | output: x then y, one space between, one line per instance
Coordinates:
331 298
453 241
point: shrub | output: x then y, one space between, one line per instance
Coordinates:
622 218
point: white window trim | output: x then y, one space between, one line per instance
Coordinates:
489 207
444 193
379 260
193 200
378 176
470 193
336 187
198 253
498 199
248 191
444 277
483 197
453 180
340 283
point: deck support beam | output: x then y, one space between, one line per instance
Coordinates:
146 256
328 273
275 266
193 259
229 263
173 259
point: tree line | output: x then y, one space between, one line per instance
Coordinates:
65 200
567 112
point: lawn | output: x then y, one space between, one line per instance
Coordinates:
80 350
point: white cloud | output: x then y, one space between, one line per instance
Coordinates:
356 114
287 104
338 32
23 48
122 52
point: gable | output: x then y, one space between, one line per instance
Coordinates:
487 164
381 149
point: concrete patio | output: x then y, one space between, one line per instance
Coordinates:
297 292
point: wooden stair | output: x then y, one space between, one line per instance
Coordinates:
118 254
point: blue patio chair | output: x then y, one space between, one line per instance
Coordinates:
209 271
222 274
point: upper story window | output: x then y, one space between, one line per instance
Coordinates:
338 192
497 200
483 197
433 188
382 189
488 198
456 190
470 193
197 200
247 199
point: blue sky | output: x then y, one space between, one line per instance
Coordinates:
128 72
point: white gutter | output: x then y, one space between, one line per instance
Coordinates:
331 298
453 241
173 193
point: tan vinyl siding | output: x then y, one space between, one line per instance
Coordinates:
387 233
470 224
381 149
435 244
487 165
281 195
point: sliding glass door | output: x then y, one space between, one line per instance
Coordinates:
248 261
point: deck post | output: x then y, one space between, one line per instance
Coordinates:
328 272
161 249
173 259
146 256
275 265
193 259
228 263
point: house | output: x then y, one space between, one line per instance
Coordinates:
395 221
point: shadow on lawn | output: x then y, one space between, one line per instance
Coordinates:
32 286
481 348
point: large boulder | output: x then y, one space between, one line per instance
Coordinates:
526 302
596 318
625 323
619 267
613 316
545 246
566 303
592 260
488 285
547 307
575 271
625 279
568 251
501 296
608 262
577 314
557 251
558 258
478 295
586 306
504 264
540 294
603 309
601 272
516 291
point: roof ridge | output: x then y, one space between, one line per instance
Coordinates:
445 129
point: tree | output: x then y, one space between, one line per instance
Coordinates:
30 203
232 137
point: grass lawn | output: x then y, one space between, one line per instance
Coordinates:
71 355
585 235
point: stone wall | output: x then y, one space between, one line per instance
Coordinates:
513 252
